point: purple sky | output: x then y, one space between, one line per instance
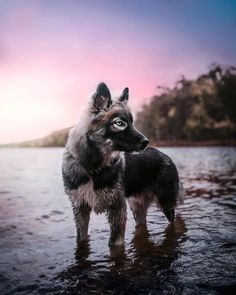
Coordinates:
54 53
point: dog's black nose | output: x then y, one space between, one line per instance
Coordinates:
144 143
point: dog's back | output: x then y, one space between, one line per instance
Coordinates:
152 176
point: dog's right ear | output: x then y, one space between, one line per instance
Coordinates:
124 96
101 98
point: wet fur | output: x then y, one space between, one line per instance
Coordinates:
100 172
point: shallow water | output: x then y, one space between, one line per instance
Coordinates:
38 252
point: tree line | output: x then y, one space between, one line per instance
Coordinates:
197 110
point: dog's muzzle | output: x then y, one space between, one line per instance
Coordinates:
144 143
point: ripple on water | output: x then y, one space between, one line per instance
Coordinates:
38 249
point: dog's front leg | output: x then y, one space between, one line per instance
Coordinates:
82 216
117 219
139 206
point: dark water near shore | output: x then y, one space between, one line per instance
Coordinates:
38 253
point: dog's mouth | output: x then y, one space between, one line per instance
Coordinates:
141 147
135 150
131 147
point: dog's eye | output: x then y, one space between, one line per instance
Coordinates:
120 125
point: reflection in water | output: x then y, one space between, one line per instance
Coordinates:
149 263
82 252
37 234
173 235
146 262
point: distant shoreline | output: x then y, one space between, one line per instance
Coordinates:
209 143
204 143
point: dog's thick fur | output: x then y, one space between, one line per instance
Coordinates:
100 171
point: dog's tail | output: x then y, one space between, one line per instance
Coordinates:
181 194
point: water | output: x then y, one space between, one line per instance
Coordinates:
38 252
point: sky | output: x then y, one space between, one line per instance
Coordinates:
53 54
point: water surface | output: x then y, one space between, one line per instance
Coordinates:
38 251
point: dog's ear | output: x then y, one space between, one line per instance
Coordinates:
101 98
124 96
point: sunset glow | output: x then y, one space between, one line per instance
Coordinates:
53 54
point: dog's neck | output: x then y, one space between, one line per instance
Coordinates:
94 155
99 156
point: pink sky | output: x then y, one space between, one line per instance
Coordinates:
53 56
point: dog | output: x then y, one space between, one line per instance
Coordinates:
106 162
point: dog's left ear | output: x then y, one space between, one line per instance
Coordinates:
101 98
124 96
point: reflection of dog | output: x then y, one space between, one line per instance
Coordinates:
100 172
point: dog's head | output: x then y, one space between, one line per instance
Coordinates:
112 122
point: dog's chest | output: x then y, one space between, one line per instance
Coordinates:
87 194
98 200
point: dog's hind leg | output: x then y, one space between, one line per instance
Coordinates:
139 206
167 205
116 215
82 216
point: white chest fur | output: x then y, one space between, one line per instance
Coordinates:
87 195
100 200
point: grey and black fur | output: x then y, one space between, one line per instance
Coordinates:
100 171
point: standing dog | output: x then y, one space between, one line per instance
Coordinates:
100 171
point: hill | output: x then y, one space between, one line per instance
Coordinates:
55 139
194 111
